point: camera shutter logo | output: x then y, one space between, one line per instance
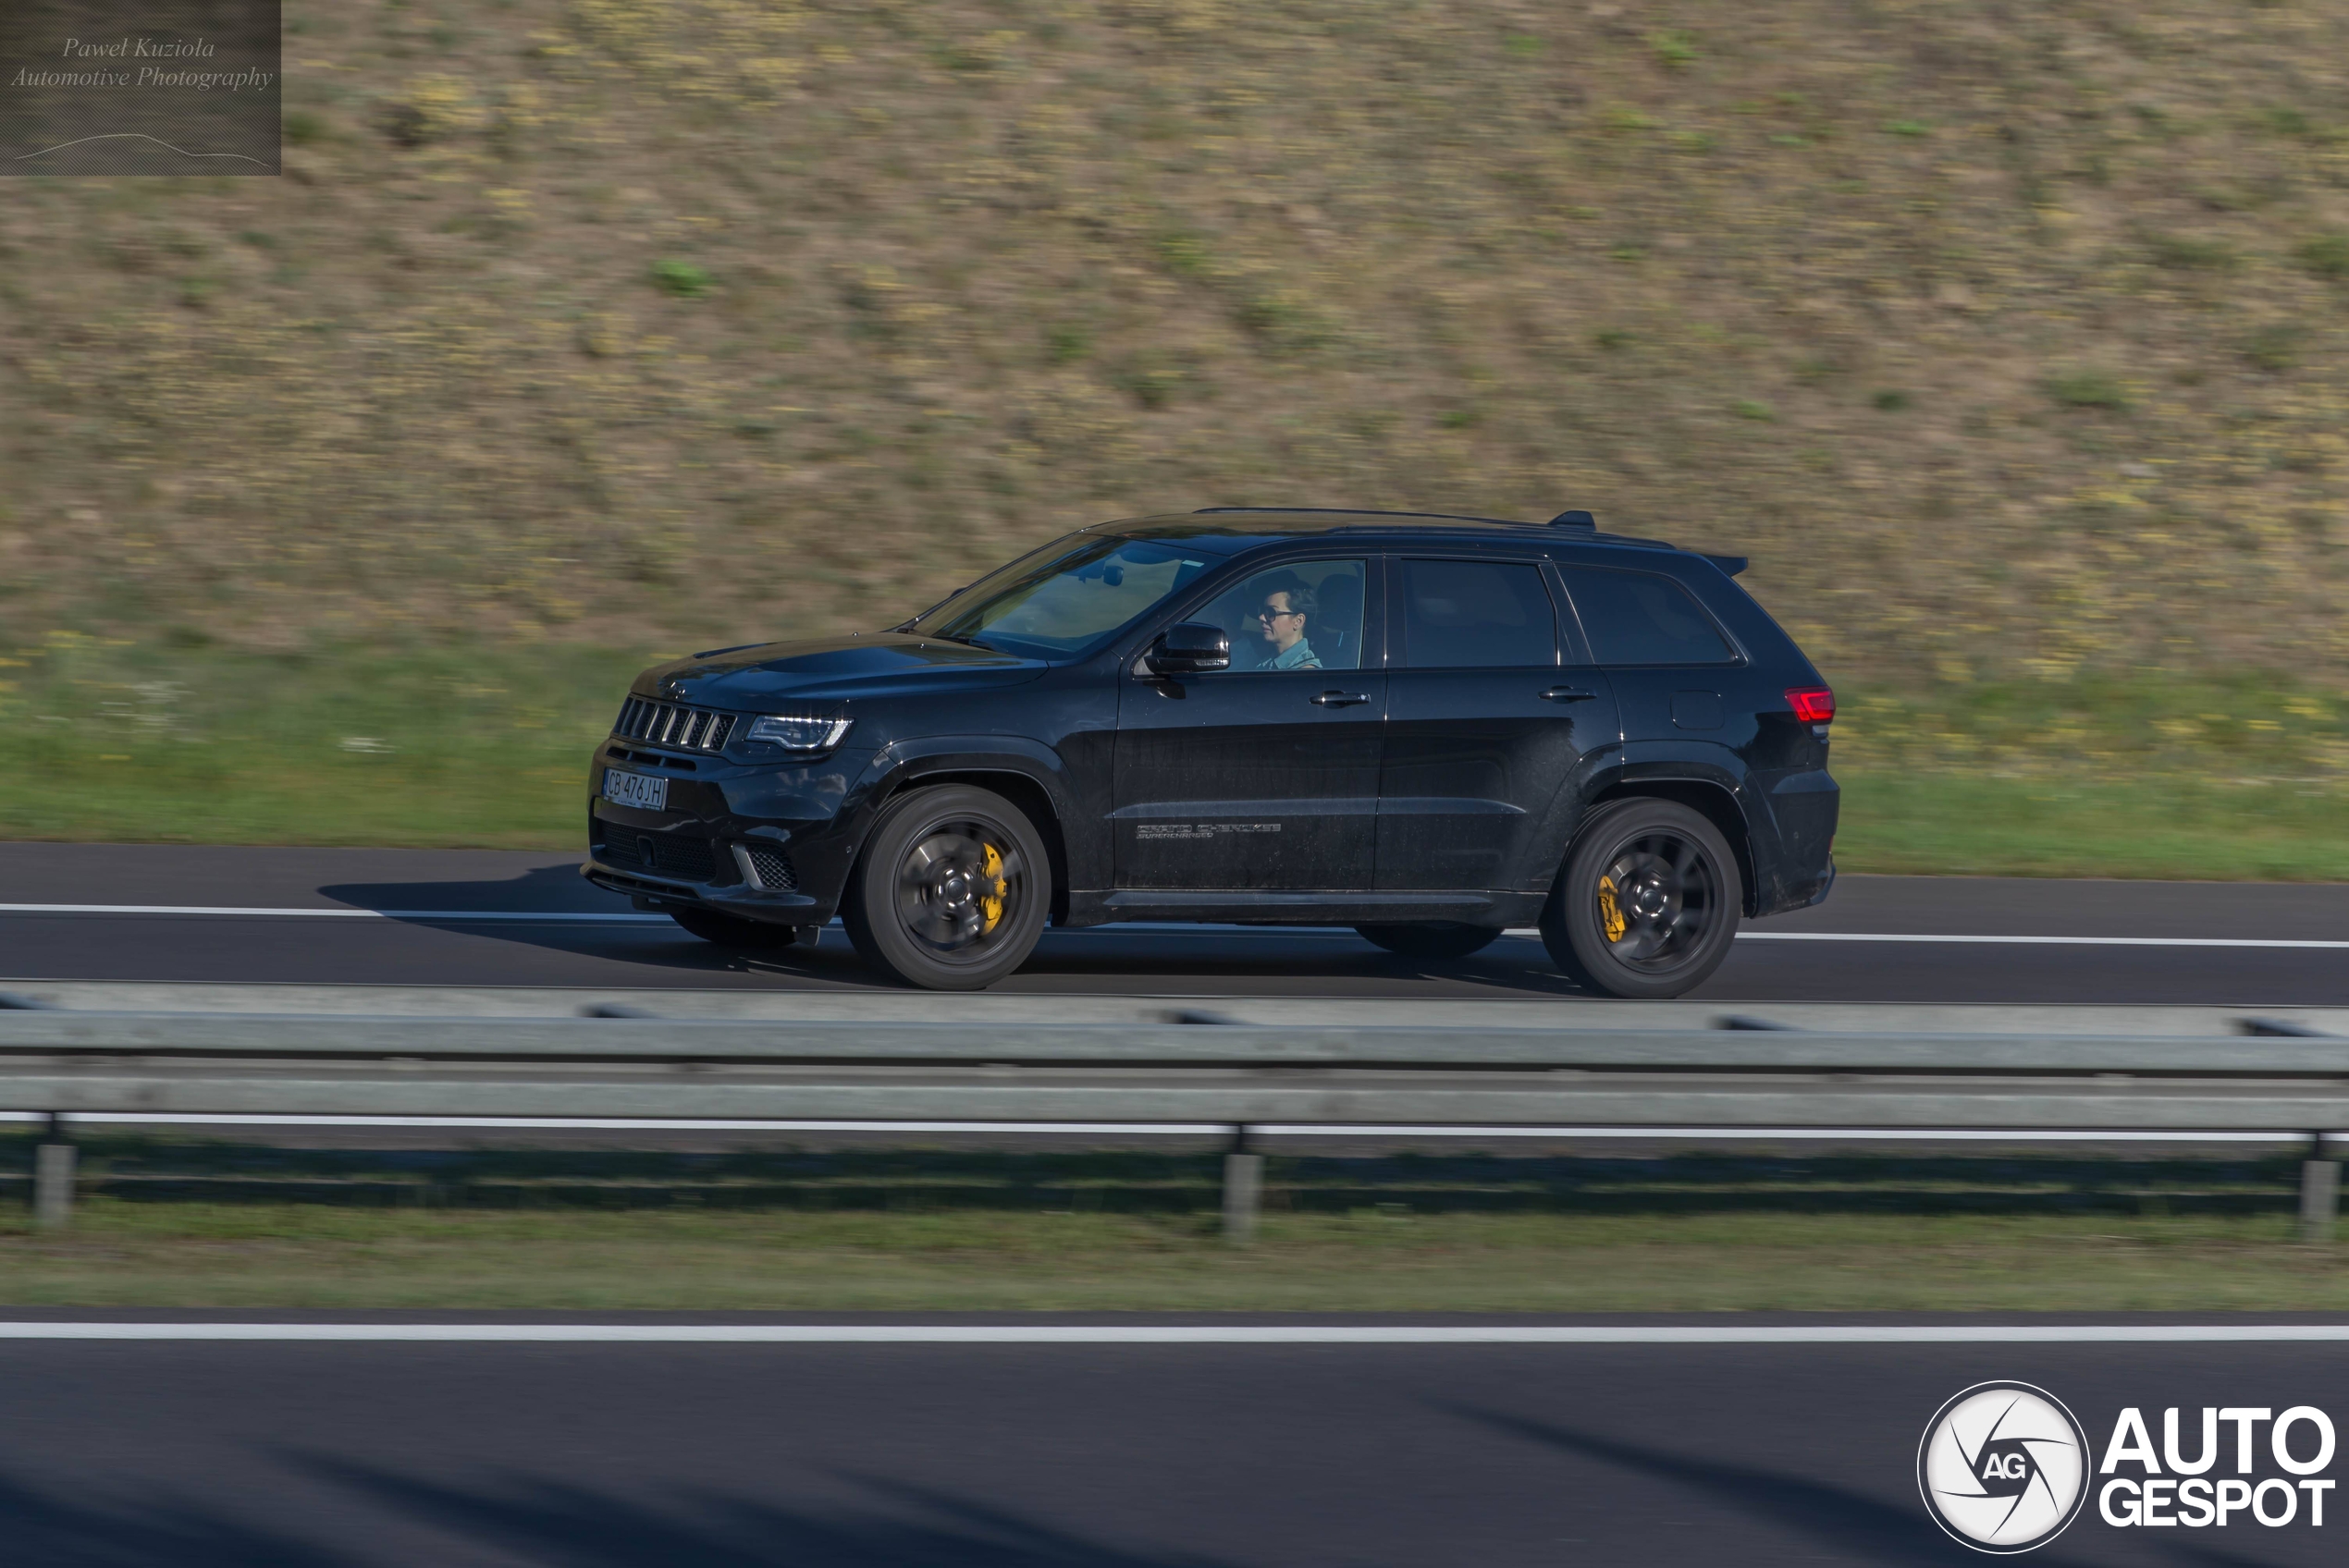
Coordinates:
2003 1468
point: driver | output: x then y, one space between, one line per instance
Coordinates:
1280 619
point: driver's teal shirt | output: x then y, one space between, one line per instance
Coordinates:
1299 655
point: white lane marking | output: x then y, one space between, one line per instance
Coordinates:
1193 1334
549 915
554 916
1169 1129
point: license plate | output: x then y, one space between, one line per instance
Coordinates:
639 789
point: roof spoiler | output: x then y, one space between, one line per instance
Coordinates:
1730 564
1575 520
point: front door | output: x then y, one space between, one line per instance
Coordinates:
1488 719
1265 777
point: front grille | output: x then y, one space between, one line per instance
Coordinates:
776 873
673 724
695 860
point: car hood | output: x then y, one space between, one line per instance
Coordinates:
868 664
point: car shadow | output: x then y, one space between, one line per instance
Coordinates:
1129 957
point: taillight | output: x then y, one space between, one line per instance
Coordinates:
1811 705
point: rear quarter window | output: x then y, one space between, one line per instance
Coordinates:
1633 617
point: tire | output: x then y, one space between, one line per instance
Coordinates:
1647 903
918 904
1433 940
733 931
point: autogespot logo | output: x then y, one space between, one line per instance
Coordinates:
2003 1468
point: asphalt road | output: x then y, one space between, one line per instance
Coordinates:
1195 962
277 1455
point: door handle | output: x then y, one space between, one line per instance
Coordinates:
1339 699
1567 694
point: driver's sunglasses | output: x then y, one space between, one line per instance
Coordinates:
1269 613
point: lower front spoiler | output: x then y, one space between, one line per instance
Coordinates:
655 893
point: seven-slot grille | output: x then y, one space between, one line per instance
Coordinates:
673 724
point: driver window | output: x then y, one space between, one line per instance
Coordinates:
1305 615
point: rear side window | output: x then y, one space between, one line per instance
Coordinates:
1459 614
1639 617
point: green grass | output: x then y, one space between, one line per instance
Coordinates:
352 746
2230 777
300 1256
171 1220
2165 828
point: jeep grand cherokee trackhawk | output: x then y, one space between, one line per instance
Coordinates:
1429 729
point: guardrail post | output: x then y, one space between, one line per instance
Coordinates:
1243 1189
2319 1194
53 1179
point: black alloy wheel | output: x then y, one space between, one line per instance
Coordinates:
733 931
1648 902
1432 941
952 890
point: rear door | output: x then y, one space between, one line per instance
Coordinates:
1265 777
1490 715
1681 680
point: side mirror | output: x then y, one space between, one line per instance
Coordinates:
1190 648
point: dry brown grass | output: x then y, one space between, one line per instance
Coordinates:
2006 337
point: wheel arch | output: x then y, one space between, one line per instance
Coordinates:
1714 802
1021 789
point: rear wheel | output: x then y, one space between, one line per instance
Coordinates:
733 931
1648 902
1430 940
952 890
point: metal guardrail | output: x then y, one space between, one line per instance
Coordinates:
613 1036
158 1066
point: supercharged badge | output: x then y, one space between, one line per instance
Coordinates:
1202 829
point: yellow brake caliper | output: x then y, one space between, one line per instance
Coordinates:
1610 912
990 903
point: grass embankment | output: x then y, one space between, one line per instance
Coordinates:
2005 342
199 1255
2241 779
176 1223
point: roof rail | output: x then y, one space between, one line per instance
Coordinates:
1364 512
1575 520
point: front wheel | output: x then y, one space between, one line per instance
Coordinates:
951 892
1429 940
1648 902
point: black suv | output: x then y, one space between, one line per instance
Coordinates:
1429 729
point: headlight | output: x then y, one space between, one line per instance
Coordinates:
800 731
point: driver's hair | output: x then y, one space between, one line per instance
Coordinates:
1300 598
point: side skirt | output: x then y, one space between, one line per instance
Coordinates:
1337 907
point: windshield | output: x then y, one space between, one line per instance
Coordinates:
1063 597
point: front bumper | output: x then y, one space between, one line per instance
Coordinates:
759 842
